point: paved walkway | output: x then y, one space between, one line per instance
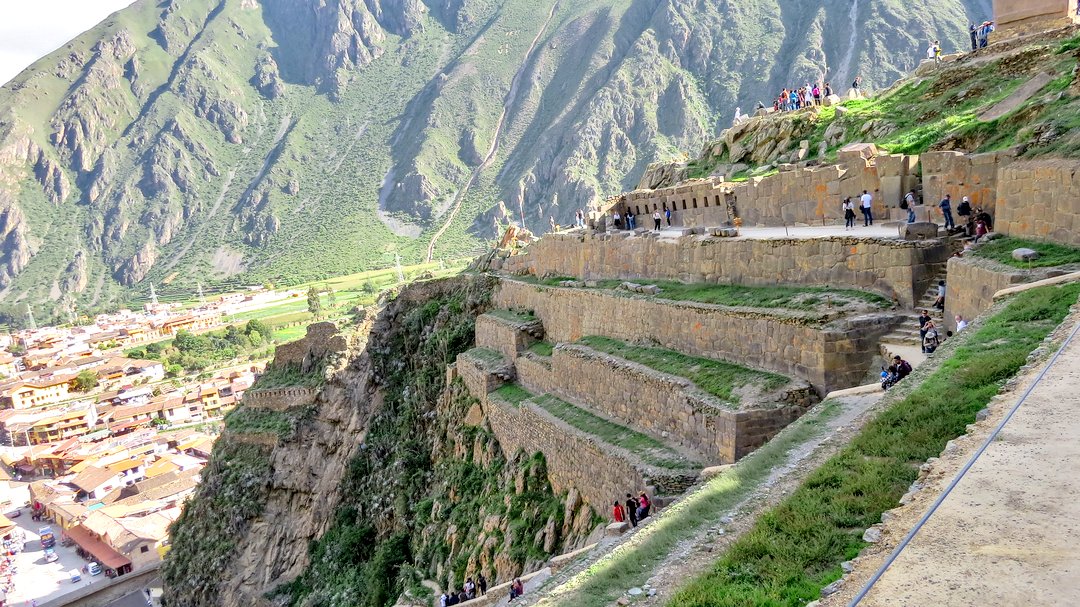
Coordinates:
878 230
1009 534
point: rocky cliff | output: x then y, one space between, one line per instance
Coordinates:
176 134
353 471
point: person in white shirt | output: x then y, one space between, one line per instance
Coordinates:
868 214
961 324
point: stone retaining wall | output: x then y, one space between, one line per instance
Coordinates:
668 407
829 358
500 335
280 399
974 176
892 268
1040 199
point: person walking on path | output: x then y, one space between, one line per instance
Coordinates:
937 51
643 505
946 210
667 215
924 320
909 204
974 31
849 214
631 509
930 51
656 220
867 208
481 583
964 211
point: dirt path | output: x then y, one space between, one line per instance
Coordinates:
697 553
511 98
1008 533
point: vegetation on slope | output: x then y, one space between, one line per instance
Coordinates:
1050 254
796 548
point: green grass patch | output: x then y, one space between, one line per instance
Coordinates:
487 356
802 298
513 394
1050 254
650 450
796 548
543 348
513 316
632 563
718 378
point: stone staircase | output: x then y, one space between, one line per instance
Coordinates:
904 340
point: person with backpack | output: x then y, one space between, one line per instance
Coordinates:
643 506
963 210
631 509
903 367
908 204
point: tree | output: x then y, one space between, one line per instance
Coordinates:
369 288
86 381
314 305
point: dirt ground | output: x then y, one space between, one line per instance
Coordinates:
1009 533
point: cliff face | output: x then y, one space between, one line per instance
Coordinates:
283 131
353 471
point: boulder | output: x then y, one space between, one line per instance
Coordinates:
841 110
920 230
714 471
1023 254
832 100
616 529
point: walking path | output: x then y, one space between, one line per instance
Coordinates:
1009 532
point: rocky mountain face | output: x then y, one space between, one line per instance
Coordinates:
353 471
176 134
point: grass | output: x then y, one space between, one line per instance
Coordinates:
718 378
796 548
650 450
632 563
512 316
1050 254
542 348
513 394
799 298
487 356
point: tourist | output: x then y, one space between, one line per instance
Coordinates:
964 211
980 229
939 303
667 214
974 32
619 513
817 95
909 204
631 509
946 210
481 583
630 220
516 589
857 86
443 600
644 505
828 90
980 214
931 341
738 116
452 599
903 367
849 214
462 597
930 51
924 320
961 324
867 208
937 51
470 589
616 219
656 220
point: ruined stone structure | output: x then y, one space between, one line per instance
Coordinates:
1040 199
1028 16
893 268
829 357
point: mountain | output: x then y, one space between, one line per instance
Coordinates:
236 141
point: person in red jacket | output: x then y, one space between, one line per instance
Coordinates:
620 515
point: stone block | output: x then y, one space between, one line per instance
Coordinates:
1023 254
616 529
832 100
714 471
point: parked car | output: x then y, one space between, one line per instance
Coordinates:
93 568
51 556
48 540
75 575
16 513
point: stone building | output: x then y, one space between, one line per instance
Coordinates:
1022 16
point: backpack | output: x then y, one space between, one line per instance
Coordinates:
903 203
905 367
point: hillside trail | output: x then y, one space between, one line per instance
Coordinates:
493 149
696 554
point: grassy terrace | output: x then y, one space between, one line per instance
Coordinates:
810 299
718 378
650 450
486 355
1050 254
543 348
796 548
512 316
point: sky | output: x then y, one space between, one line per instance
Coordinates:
31 29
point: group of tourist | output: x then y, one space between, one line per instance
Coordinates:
980 34
469 591
629 220
802 97
866 207
633 510
899 369
977 222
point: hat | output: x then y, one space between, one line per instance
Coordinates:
966 199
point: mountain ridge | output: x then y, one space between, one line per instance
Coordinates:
152 147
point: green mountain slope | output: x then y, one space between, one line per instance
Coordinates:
221 141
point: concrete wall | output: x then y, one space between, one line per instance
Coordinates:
891 268
1040 199
667 407
829 358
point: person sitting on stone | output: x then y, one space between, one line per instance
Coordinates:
939 303
470 589
903 367
961 324
643 506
